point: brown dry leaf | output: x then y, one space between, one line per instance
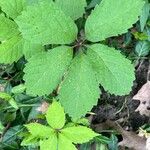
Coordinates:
144 97
144 92
43 108
130 139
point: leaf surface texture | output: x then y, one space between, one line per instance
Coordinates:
45 23
79 91
114 72
112 17
44 71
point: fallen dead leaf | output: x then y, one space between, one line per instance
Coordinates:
130 139
144 92
143 96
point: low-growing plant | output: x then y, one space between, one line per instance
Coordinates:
65 57
57 134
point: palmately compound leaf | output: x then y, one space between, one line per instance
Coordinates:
73 8
112 17
114 72
79 91
55 115
79 134
11 50
8 28
39 130
12 8
49 144
65 143
45 23
44 71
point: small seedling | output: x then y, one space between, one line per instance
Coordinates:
57 135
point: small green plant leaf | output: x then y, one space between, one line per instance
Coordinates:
73 8
100 146
144 16
1 128
55 115
112 17
142 48
44 71
45 23
93 3
39 130
12 8
11 50
57 136
8 28
18 89
79 134
114 72
64 143
85 146
102 139
5 96
113 145
49 144
140 36
9 99
80 89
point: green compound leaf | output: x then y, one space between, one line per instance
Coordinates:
112 17
8 28
64 143
114 72
79 134
45 23
12 8
73 8
55 115
39 130
44 71
11 50
79 91
49 144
